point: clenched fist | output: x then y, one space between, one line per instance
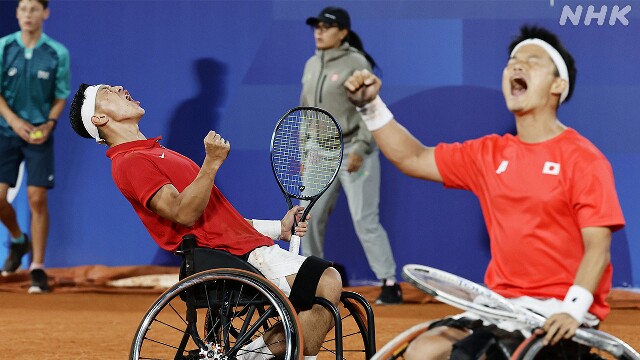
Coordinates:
216 148
362 87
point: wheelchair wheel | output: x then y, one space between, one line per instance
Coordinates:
213 314
395 348
355 330
532 348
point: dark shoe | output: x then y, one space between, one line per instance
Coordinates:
390 295
16 252
39 283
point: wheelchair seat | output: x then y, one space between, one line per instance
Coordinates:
198 259
222 303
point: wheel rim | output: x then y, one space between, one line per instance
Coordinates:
239 307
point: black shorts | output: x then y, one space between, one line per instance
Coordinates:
38 161
483 337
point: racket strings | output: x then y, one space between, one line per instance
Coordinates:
306 152
461 289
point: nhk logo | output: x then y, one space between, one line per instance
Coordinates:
586 15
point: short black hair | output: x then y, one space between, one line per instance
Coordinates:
75 113
44 3
536 32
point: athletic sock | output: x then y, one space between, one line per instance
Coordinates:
256 350
19 240
314 357
34 266
388 282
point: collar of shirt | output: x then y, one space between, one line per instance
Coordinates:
133 145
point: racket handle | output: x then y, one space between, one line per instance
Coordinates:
294 244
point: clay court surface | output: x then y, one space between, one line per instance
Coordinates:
98 322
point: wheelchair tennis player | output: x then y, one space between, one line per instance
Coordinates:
547 194
174 197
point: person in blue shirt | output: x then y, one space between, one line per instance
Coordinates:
34 85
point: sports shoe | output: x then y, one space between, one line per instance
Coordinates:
390 295
16 252
39 282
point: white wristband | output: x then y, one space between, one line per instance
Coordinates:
577 302
270 228
375 114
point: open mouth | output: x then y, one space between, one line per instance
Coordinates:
129 98
518 86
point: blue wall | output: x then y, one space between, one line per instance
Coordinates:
235 67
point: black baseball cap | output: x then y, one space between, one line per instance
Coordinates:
332 15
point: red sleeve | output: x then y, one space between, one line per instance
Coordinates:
594 196
459 164
138 178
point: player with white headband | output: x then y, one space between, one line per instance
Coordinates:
88 110
547 194
173 197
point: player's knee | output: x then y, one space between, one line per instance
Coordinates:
4 194
37 200
330 285
4 204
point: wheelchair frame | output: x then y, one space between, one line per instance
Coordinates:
237 305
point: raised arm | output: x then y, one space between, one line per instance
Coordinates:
397 144
185 208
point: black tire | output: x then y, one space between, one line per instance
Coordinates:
216 311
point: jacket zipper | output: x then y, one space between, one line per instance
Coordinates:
27 71
320 81
324 77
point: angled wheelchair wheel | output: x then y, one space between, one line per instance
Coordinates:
601 346
354 329
213 314
396 348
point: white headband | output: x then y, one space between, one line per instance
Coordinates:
89 109
555 57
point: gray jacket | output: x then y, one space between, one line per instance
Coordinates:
323 87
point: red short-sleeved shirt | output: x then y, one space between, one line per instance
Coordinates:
141 168
535 198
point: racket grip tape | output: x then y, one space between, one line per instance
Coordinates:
294 244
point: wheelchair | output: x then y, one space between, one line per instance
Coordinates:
604 346
222 303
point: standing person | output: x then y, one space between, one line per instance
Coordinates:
173 197
339 52
34 84
547 194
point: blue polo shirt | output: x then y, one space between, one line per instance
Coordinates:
31 79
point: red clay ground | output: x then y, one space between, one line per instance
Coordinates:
91 325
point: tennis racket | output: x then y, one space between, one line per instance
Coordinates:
306 153
467 295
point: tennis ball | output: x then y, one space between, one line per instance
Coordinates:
36 134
